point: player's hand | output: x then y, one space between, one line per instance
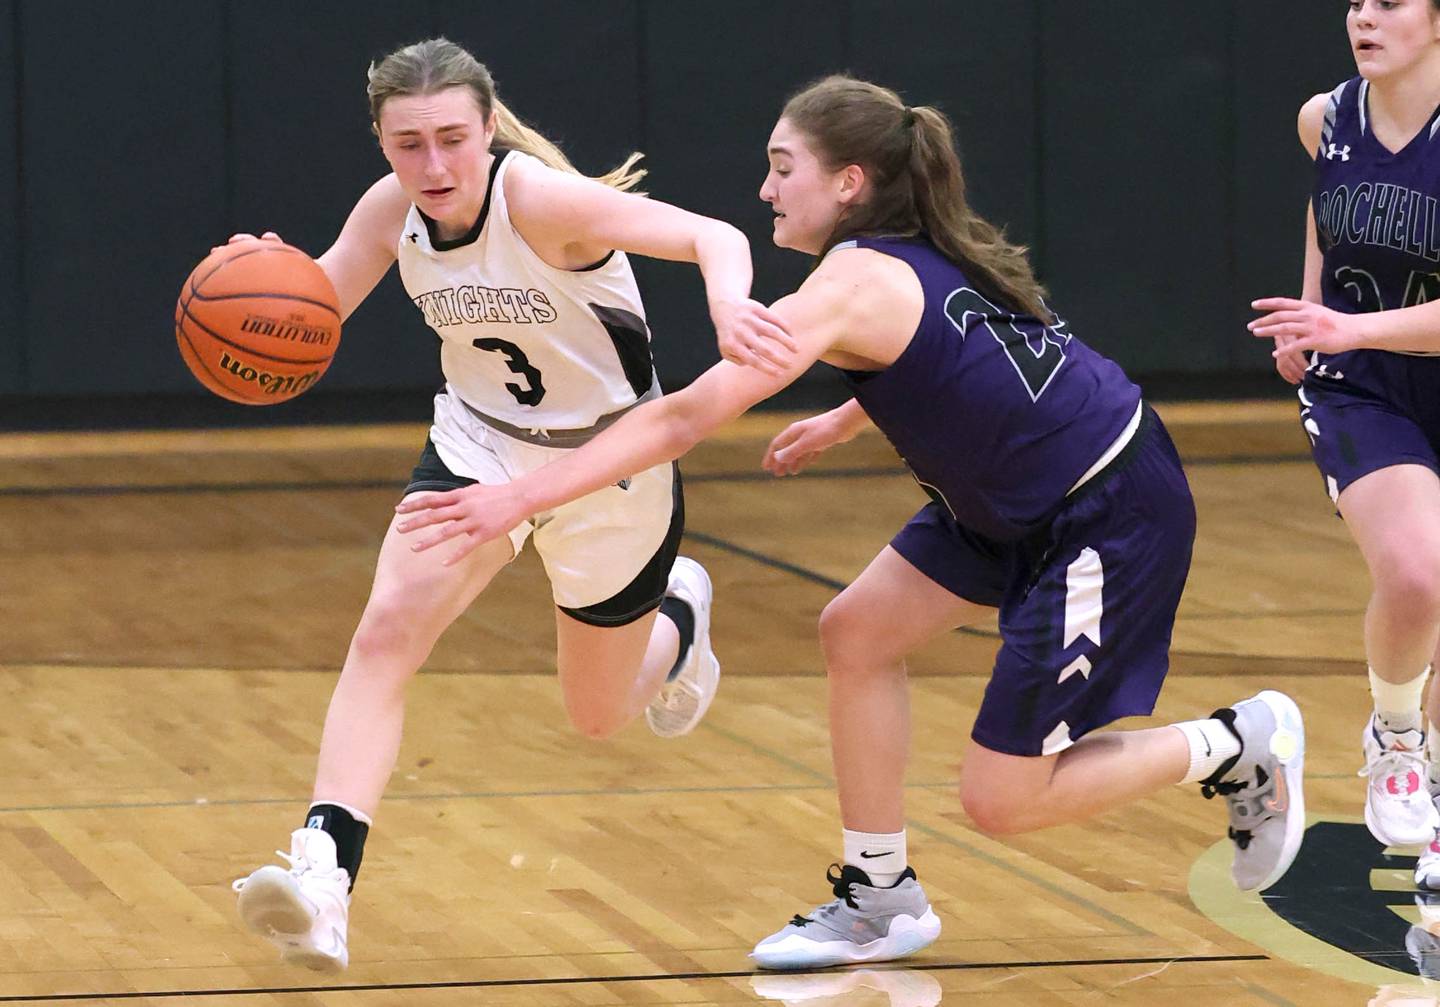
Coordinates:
1308 325
236 239
1290 363
751 335
795 447
473 514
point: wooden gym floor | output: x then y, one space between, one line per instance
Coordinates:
173 607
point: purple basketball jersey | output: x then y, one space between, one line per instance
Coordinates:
1377 216
996 414
1377 220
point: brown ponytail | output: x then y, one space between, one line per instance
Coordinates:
916 183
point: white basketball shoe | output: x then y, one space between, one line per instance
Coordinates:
1398 808
304 911
683 699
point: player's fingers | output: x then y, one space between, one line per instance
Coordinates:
471 541
1277 304
786 437
442 534
772 327
763 359
421 501
1278 330
1278 316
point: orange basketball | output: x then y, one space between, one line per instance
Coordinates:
257 322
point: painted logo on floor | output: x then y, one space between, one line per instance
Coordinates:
1347 907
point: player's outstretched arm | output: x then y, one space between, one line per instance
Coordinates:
557 209
818 315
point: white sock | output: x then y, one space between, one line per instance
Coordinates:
1211 745
879 854
1397 705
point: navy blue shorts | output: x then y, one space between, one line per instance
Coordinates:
1367 410
1087 606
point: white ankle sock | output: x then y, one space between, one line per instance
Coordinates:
879 854
1397 704
1211 745
1432 753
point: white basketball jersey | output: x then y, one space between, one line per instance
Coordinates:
520 340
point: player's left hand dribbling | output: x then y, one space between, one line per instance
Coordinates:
751 335
478 513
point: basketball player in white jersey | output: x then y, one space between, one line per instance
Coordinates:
518 264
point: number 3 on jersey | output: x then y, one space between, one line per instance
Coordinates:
1036 351
528 394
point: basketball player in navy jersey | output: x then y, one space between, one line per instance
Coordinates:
518 264
1056 497
1370 388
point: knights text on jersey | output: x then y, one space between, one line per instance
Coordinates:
1377 211
520 340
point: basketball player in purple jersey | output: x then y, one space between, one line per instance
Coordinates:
1370 395
1056 497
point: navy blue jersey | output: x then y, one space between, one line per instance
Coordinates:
1377 217
997 415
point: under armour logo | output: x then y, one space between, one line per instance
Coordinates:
1324 371
624 484
316 822
1341 152
414 236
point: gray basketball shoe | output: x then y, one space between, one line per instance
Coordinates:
1263 787
862 924
304 911
683 699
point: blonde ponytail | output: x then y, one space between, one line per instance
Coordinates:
513 133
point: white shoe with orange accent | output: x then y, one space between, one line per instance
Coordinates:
1398 808
1264 787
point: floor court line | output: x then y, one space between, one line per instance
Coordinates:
587 980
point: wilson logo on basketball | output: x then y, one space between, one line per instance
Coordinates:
289 331
270 384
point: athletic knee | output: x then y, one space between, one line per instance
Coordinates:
1410 587
597 723
391 628
993 811
850 638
